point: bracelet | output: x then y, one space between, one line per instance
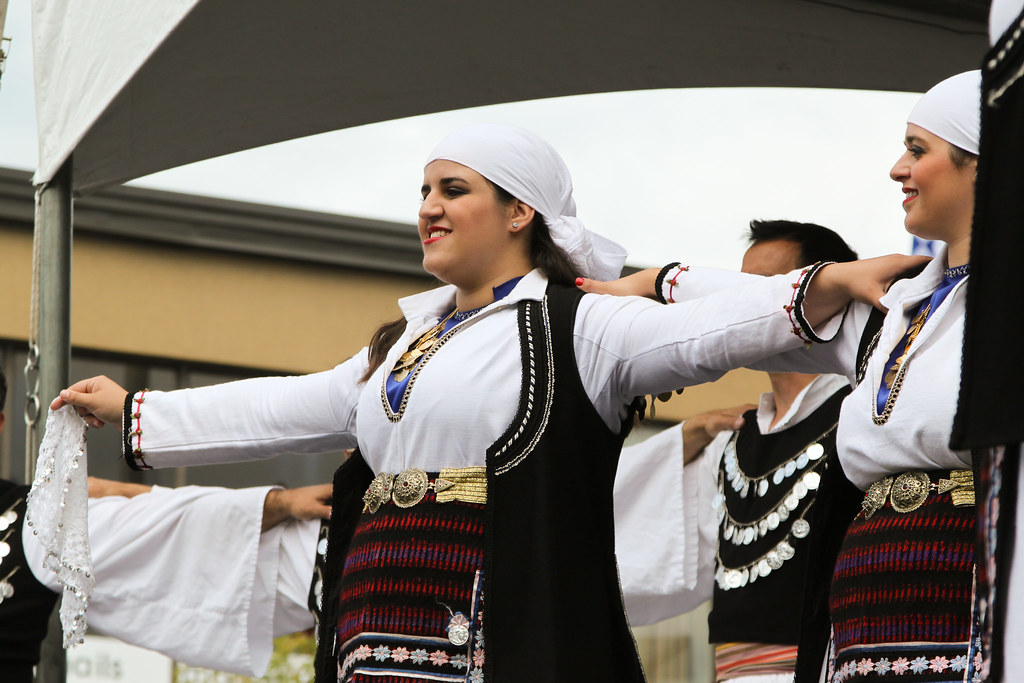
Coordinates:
659 281
132 411
795 309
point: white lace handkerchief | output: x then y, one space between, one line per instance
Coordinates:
58 514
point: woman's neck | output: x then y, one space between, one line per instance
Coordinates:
469 298
959 251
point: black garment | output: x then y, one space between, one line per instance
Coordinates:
776 597
991 400
24 615
554 605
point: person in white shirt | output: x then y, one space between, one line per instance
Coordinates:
744 499
902 589
205 575
488 423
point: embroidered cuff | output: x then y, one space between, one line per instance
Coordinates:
131 430
795 308
667 281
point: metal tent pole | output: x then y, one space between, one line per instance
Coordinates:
53 298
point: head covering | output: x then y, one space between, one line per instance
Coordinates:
1001 14
952 110
528 168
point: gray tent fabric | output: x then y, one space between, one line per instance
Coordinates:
134 88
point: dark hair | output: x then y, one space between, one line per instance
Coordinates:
960 156
817 243
544 254
3 390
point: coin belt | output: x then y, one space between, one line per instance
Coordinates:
466 484
909 490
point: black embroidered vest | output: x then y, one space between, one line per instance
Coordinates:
554 609
25 613
768 485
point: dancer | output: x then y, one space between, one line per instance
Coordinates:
901 592
489 420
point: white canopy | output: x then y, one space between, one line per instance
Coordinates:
131 88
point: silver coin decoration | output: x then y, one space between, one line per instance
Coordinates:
4 524
321 547
743 533
801 528
5 549
6 589
458 629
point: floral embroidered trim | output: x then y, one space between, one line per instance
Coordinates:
867 666
133 431
795 309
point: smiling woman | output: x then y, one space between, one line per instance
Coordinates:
488 423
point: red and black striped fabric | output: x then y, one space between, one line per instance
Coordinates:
901 593
408 571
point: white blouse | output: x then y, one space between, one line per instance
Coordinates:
467 394
186 572
916 434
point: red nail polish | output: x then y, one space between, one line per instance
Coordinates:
579 282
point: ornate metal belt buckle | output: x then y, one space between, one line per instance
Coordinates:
960 486
378 491
875 497
909 491
410 487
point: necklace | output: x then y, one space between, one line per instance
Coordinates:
742 483
407 361
915 328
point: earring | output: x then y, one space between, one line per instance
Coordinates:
515 225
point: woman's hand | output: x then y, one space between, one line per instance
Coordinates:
866 280
98 400
637 284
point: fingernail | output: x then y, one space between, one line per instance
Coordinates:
579 282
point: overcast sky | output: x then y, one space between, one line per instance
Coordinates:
672 174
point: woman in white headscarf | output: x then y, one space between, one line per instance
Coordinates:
901 591
488 422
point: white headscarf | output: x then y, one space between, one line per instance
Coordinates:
1001 14
952 110
528 168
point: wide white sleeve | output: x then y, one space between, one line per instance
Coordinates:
249 419
183 572
665 530
295 544
629 346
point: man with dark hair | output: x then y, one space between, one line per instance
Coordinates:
206 575
732 525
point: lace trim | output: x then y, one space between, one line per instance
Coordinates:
58 515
